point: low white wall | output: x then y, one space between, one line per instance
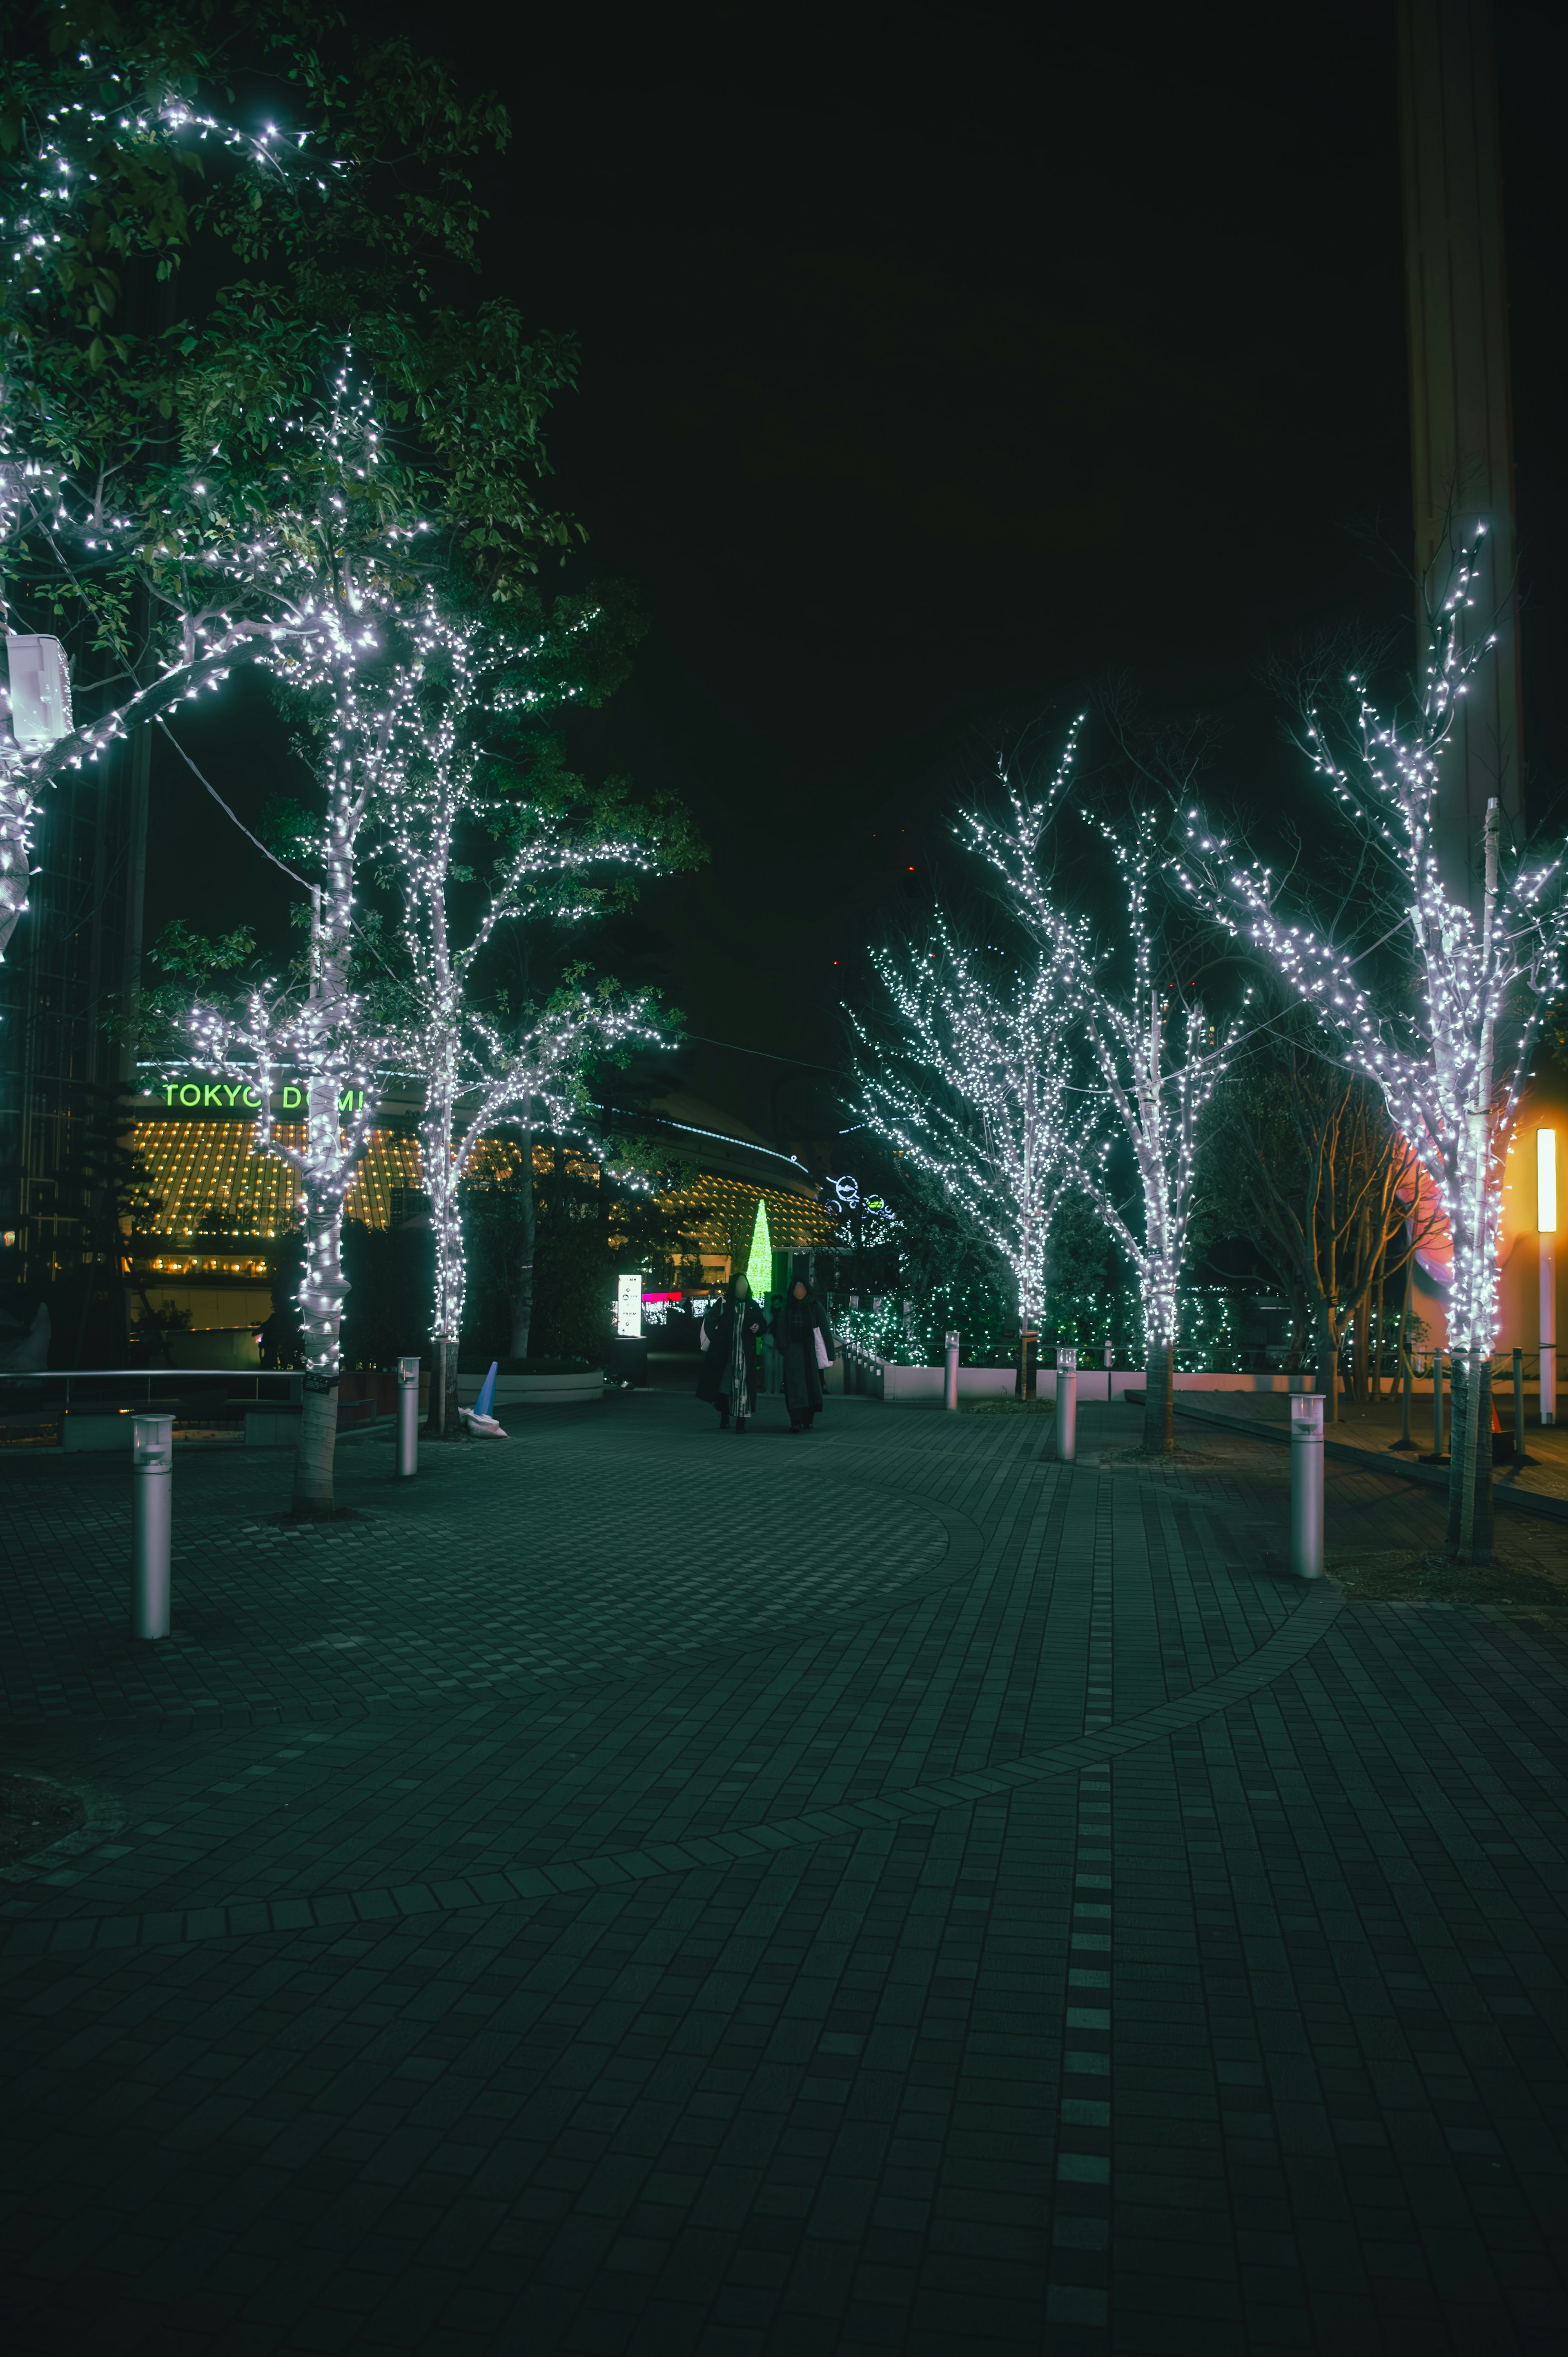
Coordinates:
990 1383
926 1382
975 1382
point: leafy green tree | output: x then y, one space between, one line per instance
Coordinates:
189 484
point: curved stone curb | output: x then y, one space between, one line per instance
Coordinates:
76 1935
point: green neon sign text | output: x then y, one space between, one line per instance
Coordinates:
223 1096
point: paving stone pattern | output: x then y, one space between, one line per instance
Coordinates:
645 1889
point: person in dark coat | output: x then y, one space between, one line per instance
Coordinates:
728 1376
804 1338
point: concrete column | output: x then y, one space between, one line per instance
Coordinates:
1460 411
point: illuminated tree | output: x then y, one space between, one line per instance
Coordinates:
1411 983
970 1084
175 494
759 1261
317 1027
1152 1089
442 789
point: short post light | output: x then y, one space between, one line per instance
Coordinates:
152 1480
1067 1404
1307 1485
407 1418
1546 1225
950 1393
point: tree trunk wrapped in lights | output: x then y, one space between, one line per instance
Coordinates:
1155 1098
323 1039
1411 984
323 1033
970 1084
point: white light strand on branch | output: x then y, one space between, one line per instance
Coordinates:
1156 1090
304 579
429 805
971 1088
1425 1027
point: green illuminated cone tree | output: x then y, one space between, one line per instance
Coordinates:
760 1260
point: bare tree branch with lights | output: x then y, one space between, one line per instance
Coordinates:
1437 1003
970 1084
1152 1090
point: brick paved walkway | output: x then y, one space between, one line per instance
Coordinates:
640 1889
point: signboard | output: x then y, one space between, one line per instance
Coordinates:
37 697
628 1305
844 1195
233 1096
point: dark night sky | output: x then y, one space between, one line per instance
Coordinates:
935 363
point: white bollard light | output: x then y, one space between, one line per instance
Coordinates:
950 1395
1067 1406
407 1418
1307 1485
152 1481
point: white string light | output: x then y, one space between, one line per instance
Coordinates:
226 562
972 1091
1154 1096
428 791
1425 1033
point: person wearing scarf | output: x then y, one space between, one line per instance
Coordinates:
728 1376
805 1338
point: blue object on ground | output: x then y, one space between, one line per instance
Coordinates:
485 1403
